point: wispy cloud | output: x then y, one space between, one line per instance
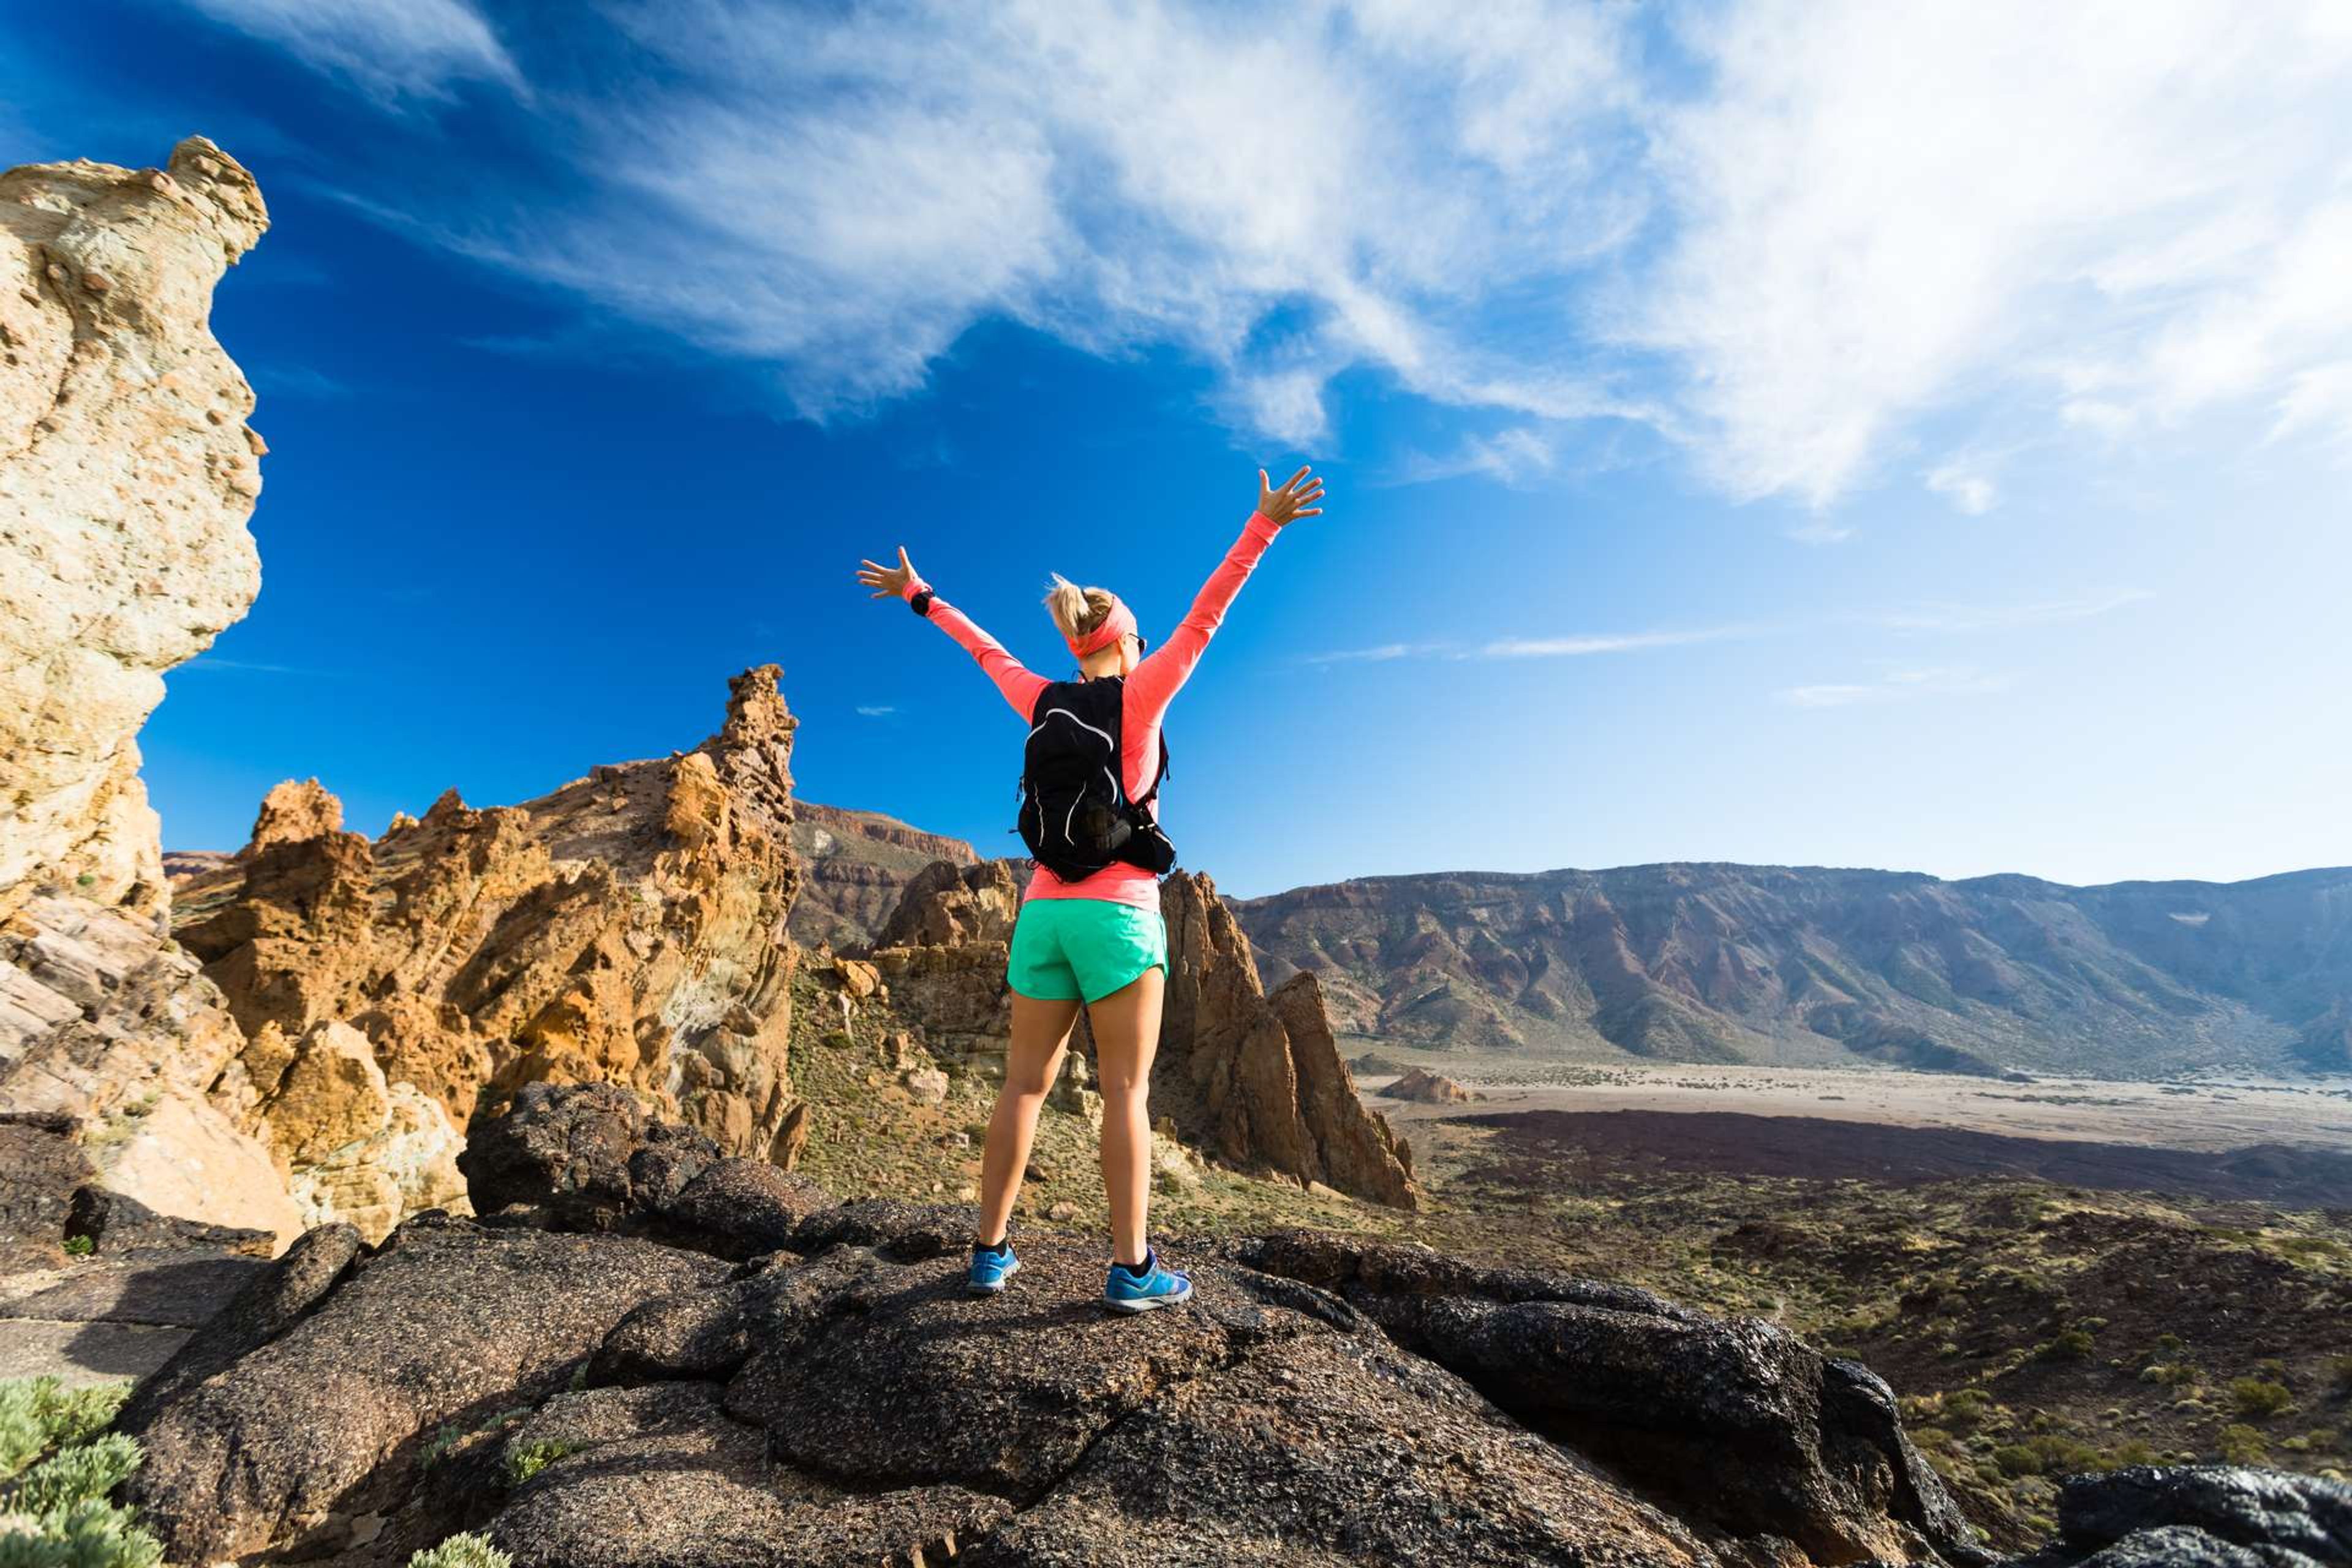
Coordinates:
206 663
391 48
296 381
1994 617
1899 685
877 711
1573 646
1528 212
1512 457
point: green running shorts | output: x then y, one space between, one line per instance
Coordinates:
1068 949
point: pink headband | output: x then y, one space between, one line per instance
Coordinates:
1115 625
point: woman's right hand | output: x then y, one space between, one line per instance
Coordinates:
1292 501
890 582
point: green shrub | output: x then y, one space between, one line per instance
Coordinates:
38 1414
2071 1344
75 1473
2017 1459
59 1504
79 1245
465 1550
525 1460
92 1533
2256 1399
2242 1445
2134 1452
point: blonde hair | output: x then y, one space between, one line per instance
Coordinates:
1076 610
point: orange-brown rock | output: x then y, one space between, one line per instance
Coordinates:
1259 1081
291 812
629 927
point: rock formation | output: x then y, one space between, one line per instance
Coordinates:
126 473
1256 1079
1778 963
854 867
586 1397
627 928
1426 1088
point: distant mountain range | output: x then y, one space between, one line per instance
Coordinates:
1704 962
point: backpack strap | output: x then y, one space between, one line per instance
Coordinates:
1147 797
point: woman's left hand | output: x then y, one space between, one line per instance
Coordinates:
887 581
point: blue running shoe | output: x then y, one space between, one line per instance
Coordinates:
990 1270
1128 1292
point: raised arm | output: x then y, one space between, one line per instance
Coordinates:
1019 685
1159 675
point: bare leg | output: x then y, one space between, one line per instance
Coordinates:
1127 1036
1040 1031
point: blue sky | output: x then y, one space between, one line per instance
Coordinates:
1820 434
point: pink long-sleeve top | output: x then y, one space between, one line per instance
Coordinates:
1143 704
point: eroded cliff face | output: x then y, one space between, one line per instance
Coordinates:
627 928
126 473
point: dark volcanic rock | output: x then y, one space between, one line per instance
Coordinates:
584 1155
268 1304
743 1207
662 1475
1326 1449
1738 1421
446 1318
116 1222
2177 1517
41 1165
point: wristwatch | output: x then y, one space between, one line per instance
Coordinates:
920 603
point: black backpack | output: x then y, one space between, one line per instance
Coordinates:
1075 817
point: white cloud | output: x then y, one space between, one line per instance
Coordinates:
1969 487
2098 221
1888 209
877 711
1992 617
393 49
1900 685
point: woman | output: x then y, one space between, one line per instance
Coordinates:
1097 940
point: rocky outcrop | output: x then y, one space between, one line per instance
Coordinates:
2194 1515
626 1399
855 868
942 955
627 928
1426 1088
1723 962
1258 1080
126 473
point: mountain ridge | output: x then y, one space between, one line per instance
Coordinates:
1723 962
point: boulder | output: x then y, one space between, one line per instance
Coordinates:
2176 1516
1426 1088
323 1420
